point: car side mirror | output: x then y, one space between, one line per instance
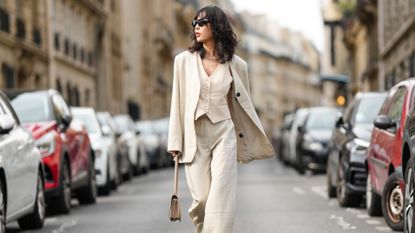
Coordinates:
137 132
384 122
66 120
7 123
301 129
106 131
339 122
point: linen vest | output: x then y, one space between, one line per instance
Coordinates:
213 93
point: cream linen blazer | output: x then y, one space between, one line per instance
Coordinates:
251 139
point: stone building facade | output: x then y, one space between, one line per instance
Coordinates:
283 69
69 45
23 44
396 41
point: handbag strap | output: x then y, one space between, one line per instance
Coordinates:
176 175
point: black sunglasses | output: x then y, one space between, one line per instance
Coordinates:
200 22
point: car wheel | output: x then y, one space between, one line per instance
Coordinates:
106 190
62 204
36 219
344 198
373 200
392 202
130 173
2 208
331 190
409 226
88 193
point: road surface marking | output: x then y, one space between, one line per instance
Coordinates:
320 191
298 190
65 225
372 222
342 223
384 229
363 216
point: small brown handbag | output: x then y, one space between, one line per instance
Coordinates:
174 212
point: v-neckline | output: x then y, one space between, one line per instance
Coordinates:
204 70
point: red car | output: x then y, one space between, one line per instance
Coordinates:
384 193
64 145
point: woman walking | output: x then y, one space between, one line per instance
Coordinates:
213 123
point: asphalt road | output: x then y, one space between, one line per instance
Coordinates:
271 199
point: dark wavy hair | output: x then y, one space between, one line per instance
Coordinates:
225 38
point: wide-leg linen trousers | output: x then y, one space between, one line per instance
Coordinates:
212 176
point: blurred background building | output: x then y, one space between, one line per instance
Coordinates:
118 55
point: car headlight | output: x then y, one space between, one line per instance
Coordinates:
46 144
361 145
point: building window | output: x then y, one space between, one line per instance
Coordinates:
74 51
113 7
8 76
91 58
87 97
38 81
21 28
4 20
69 98
57 41
82 55
37 37
59 86
67 46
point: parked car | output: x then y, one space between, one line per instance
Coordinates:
130 137
64 144
313 138
123 162
291 145
384 192
151 142
21 173
161 128
346 172
283 149
408 162
104 146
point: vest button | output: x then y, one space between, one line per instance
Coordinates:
241 135
238 94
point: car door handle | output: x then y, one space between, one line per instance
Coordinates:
20 147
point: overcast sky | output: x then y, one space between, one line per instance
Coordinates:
300 15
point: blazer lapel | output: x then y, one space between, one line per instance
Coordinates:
194 81
245 102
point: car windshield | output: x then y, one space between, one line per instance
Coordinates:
368 109
321 120
89 120
145 127
32 107
123 124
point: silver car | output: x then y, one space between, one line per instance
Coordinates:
104 146
21 173
136 150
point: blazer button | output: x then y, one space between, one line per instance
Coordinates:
238 94
241 135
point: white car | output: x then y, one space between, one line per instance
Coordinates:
104 147
136 149
21 173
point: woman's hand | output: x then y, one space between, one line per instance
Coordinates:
175 154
